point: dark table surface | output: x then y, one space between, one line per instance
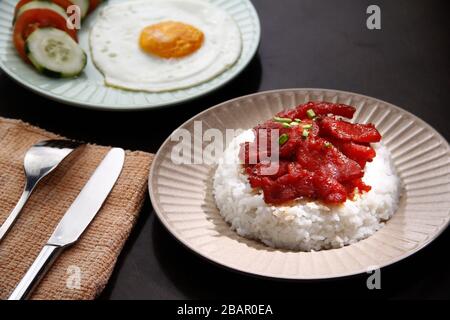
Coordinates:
305 43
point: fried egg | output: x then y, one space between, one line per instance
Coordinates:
163 45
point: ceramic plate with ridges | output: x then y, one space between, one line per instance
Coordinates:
182 194
89 90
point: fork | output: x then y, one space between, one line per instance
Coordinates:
40 160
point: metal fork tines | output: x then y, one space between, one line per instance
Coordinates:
40 160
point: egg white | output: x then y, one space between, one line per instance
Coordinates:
114 42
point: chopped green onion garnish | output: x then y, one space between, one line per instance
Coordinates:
327 144
305 133
307 126
293 124
283 139
286 125
311 114
278 119
297 120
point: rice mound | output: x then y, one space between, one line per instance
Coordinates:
307 225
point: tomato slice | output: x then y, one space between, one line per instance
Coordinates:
93 4
62 3
32 19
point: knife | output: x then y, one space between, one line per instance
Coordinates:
76 219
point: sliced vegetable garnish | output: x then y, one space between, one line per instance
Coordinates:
62 3
327 144
307 126
283 138
292 124
33 19
297 120
305 133
311 114
286 125
40 4
54 53
278 119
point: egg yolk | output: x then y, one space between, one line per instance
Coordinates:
171 39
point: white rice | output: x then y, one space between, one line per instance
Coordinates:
307 225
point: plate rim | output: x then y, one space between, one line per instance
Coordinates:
265 275
108 107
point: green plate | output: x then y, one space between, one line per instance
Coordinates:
89 90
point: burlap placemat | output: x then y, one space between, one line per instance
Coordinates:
83 270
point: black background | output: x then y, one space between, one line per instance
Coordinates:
305 43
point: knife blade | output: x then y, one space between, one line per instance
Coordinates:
74 222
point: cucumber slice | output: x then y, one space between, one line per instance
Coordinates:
39 4
54 53
84 6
